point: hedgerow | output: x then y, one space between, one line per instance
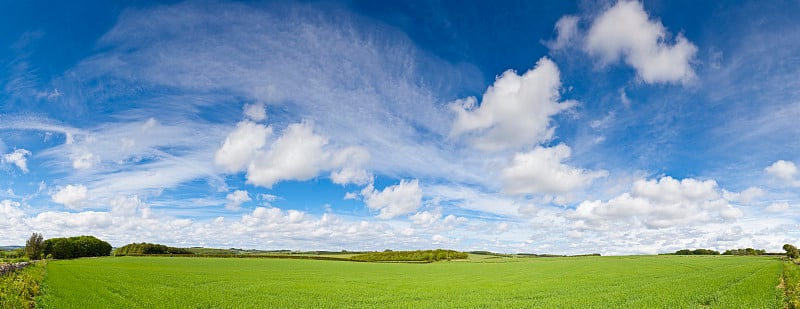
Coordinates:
19 289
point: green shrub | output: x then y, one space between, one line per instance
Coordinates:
791 285
19 289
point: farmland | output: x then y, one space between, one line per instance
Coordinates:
481 281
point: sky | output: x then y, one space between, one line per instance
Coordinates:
514 126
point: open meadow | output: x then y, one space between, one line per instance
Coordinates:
480 282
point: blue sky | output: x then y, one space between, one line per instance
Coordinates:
611 127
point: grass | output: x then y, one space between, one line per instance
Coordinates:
586 282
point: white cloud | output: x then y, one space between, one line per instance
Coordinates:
296 155
72 196
255 111
746 196
86 220
84 160
426 218
399 199
566 31
783 170
236 199
662 203
267 197
351 196
10 213
625 30
352 160
129 207
370 86
778 207
18 158
241 145
136 156
542 171
515 111
474 199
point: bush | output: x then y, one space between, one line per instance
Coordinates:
75 247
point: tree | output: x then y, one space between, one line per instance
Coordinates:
34 246
75 247
791 251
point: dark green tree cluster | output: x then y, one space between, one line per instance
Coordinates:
410 256
147 248
791 251
746 251
696 252
34 247
75 247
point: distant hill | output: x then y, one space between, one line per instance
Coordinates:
3 248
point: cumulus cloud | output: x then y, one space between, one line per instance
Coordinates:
566 30
393 201
351 160
255 111
542 171
626 31
241 145
784 171
18 158
86 220
746 196
515 111
10 213
297 154
426 218
72 196
129 207
662 203
236 199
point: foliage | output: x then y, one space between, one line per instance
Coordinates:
147 248
791 285
696 252
34 246
586 282
746 251
13 256
554 255
791 251
75 247
410 256
19 289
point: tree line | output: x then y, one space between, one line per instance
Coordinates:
65 248
148 248
791 252
75 247
410 256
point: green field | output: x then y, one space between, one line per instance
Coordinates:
585 282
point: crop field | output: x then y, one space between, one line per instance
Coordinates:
585 282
